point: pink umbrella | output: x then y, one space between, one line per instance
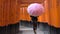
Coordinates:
35 9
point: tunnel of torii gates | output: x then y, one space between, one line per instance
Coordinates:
12 11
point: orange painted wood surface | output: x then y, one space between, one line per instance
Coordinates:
9 12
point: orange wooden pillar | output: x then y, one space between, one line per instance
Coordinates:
54 6
9 12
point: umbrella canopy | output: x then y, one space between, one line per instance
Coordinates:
35 9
